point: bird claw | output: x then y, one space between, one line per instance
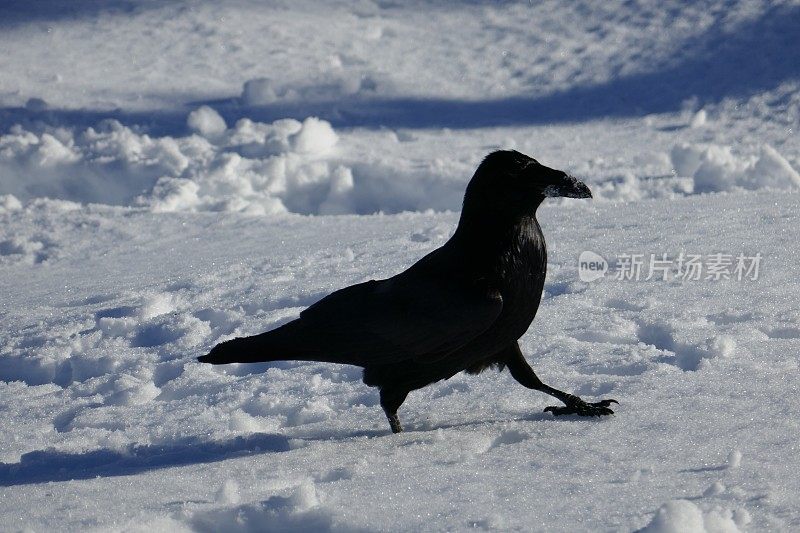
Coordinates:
579 407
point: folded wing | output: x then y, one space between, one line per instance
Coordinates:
405 317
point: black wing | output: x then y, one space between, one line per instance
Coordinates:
405 317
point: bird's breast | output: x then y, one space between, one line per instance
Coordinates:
521 274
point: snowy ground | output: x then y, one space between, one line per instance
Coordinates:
173 174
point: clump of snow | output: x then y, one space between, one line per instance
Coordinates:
689 356
304 497
132 390
52 151
692 356
771 169
207 122
677 516
339 200
301 511
173 194
721 346
334 83
315 137
258 91
242 422
715 489
21 147
699 119
742 517
734 459
724 521
686 158
228 493
9 203
316 410
683 516
113 142
717 168
156 305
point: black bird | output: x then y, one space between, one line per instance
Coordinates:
461 307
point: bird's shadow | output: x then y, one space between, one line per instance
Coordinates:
50 465
43 466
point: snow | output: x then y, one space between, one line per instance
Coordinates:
716 168
9 202
176 174
734 459
307 167
206 122
699 119
681 516
100 385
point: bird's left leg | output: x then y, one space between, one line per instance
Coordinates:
524 374
391 400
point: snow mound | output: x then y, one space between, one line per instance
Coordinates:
207 122
716 168
304 167
682 516
252 167
315 137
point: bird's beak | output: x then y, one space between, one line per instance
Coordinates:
568 187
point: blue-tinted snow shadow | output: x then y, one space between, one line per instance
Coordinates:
702 469
18 12
757 55
44 466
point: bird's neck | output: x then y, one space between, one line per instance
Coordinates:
480 241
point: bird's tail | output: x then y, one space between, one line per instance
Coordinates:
241 350
285 343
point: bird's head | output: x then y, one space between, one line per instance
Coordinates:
510 182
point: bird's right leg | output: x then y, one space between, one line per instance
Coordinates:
524 374
391 400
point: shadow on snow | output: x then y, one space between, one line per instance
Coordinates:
19 12
755 56
43 466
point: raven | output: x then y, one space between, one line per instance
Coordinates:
462 307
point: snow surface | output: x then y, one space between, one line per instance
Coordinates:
169 176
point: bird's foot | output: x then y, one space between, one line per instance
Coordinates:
576 406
